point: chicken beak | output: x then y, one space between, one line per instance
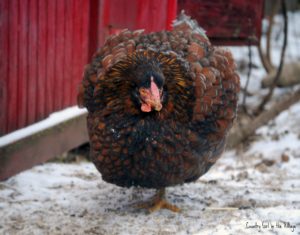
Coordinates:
150 98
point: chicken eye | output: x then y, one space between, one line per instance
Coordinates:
135 93
147 83
158 80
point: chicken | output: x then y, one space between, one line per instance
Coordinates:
160 106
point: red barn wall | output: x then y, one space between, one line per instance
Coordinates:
44 45
43 48
231 22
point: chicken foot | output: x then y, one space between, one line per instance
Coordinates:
158 202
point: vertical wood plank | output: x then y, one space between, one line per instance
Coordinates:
50 68
42 56
85 34
159 8
32 59
103 13
77 48
12 113
142 15
23 63
4 60
93 27
59 58
171 13
68 51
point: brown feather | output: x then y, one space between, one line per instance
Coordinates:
177 144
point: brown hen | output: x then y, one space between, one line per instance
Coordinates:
159 107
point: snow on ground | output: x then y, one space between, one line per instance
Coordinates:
257 72
52 120
242 193
250 191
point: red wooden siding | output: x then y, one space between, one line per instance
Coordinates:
12 83
151 15
43 49
44 45
229 22
3 64
23 71
41 58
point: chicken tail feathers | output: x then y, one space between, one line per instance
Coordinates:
184 22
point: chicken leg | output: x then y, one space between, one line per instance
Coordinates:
158 202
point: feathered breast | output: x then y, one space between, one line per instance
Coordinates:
181 141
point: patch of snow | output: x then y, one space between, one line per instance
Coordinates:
257 72
54 119
239 195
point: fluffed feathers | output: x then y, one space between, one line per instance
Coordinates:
134 140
